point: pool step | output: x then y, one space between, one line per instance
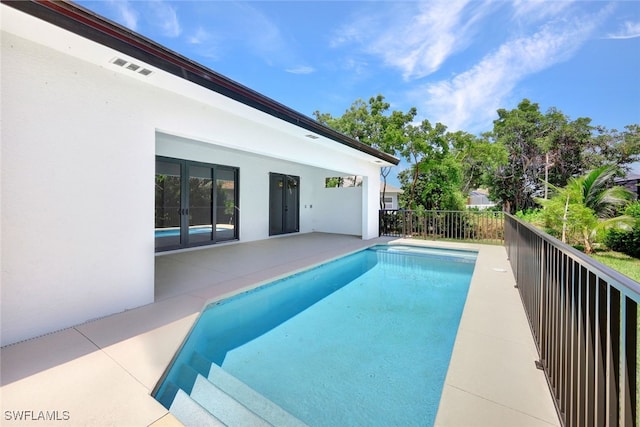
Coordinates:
190 413
244 394
208 397
250 398
222 406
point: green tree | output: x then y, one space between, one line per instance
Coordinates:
516 181
424 146
587 205
549 148
434 177
477 157
372 124
436 186
615 147
563 144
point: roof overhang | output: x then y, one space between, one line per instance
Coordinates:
98 29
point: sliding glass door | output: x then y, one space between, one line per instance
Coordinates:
168 217
199 214
226 203
284 204
196 203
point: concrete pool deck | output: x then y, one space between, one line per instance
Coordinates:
102 372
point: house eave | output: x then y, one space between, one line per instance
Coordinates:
89 25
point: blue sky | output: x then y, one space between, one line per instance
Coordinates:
457 62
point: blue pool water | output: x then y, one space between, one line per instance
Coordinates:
363 340
174 232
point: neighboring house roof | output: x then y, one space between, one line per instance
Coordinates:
390 189
94 27
631 182
479 197
479 191
629 177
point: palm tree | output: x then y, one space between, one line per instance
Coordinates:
586 205
598 193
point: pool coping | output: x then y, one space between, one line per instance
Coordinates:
102 372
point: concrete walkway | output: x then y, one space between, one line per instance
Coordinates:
102 372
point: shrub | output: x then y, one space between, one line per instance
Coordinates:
627 242
533 216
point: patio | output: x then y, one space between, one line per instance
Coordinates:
102 372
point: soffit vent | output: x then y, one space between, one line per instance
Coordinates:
131 66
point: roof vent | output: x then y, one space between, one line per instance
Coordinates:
131 66
119 62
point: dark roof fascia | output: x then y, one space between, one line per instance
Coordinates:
87 24
628 177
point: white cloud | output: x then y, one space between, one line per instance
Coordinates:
302 69
420 47
416 38
469 100
128 15
630 30
535 10
200 36
218 29
205 44
231 23
355 66
355 32
166 18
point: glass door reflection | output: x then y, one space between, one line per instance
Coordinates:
191 197
168 216
226 204
200 204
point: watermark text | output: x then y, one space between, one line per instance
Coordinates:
35 415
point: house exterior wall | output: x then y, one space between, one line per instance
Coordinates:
370 205
79 142
77 174
339 210
391 201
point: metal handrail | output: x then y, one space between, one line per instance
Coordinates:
584 319
482 226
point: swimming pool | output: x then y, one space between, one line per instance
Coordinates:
363 340
175 231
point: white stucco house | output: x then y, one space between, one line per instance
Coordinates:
391 196
116 150
479 199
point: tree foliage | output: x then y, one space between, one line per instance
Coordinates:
424 144
550 149
585 206
616 147
478 157
525 154
371 123
436 186
515 181
626 241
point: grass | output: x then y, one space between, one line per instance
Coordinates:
625 264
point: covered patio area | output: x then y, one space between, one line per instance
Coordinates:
102 372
